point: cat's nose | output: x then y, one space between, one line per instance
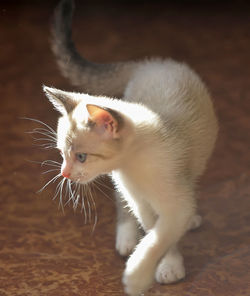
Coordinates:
65 174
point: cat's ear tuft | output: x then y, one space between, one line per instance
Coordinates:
63 101
107 121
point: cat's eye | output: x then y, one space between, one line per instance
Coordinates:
81 157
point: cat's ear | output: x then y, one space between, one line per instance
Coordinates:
63 101
107 121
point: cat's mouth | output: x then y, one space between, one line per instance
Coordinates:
82 179
76 180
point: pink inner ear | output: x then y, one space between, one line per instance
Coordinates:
106 120
105 117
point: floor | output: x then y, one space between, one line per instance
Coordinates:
47 251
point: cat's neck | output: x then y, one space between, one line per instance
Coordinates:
145 160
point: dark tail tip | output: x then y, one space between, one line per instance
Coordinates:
65 8
63 19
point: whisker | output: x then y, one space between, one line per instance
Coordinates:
49 171
83 208
48 136
72 192
51 163
41 122
57 190
46 162
44 139
88 203
49 182
98 188
77 195
40 142
61 198
45 146
33 161
47 131
95 211
43 132
101 182
68 192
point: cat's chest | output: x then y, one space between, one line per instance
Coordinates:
130 188
137 199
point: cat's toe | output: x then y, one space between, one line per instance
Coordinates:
170 271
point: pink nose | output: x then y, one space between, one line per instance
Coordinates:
65 174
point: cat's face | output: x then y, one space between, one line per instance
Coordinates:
88 137
86 154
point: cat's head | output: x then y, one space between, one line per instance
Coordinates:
91 136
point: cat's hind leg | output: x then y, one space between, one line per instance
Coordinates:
171 267
127 230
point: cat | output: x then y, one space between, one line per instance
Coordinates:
151 125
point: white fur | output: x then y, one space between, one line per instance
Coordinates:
126 237
168 135
171 268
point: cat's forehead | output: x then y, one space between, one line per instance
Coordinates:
71 131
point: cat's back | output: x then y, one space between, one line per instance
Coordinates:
166 86
177 94
174 91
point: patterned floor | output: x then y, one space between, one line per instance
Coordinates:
44 251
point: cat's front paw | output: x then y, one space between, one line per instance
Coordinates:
138 276
135 284
170 270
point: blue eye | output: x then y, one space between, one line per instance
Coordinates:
81 157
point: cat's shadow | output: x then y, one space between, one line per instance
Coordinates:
201 248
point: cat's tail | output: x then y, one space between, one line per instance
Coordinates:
97 79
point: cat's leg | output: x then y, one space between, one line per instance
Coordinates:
127 231
171 267
173 216
145 214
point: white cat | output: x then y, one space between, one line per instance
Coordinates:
155 142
